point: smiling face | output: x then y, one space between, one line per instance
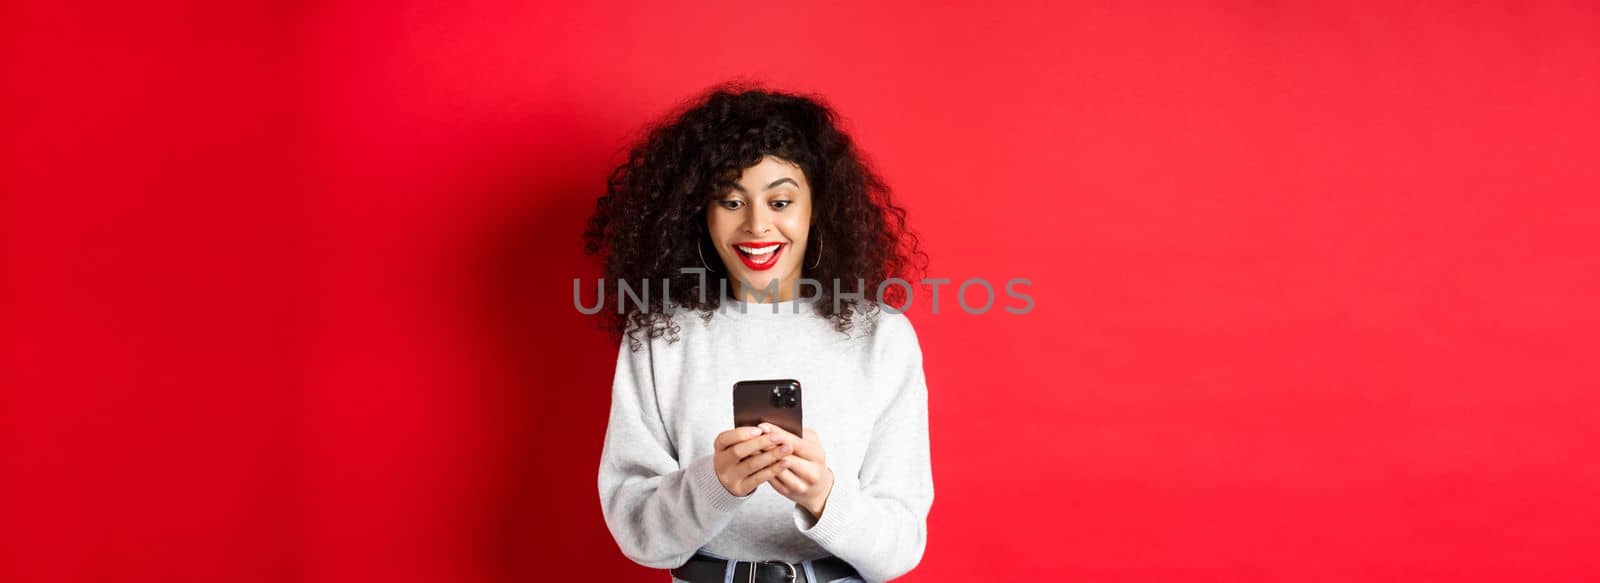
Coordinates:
759 228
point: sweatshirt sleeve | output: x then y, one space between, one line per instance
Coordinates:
877 521
658 513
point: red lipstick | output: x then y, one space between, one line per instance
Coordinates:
759 261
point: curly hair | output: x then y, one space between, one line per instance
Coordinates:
652 219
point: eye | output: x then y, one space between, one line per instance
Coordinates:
780 204
731 204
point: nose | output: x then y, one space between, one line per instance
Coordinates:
757 223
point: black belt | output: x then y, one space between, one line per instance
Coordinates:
703 568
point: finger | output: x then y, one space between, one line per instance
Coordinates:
781 435
765 474
764 459
736 435
778 431
777 484
808 449
752 446
790 481
729 437
805 469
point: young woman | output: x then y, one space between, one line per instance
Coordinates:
734 202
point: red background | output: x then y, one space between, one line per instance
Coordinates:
286 287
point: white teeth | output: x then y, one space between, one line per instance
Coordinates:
754 251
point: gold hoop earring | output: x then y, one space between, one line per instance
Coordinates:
702 255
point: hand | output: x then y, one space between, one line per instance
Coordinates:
746 457
807 480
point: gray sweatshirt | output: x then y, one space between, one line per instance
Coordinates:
864 395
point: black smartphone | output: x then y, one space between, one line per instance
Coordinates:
775 401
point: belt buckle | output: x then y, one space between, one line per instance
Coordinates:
793 572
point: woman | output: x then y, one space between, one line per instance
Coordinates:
733 202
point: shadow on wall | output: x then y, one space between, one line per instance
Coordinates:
549 371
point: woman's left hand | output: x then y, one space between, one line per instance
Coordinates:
807 480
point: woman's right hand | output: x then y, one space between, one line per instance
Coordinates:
745 459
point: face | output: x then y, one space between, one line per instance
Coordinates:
760 227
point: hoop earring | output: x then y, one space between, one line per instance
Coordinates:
814 264
702 255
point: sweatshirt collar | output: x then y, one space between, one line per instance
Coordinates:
793 308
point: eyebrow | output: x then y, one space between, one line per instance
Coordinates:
774 184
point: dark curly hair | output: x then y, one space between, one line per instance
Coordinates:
652 218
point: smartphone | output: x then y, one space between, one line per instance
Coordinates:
775 401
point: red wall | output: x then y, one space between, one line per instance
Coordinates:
285 289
